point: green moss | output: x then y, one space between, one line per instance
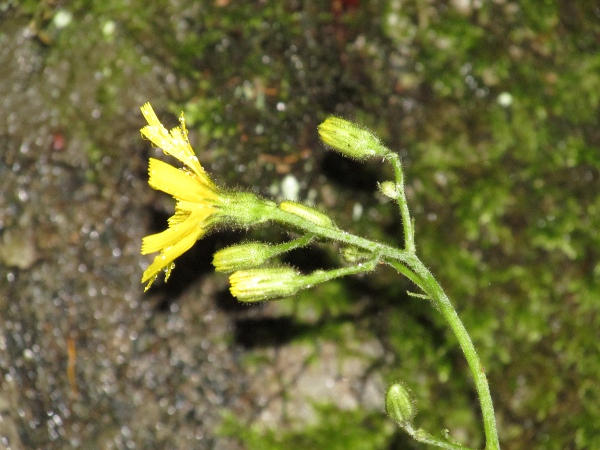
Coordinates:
334 429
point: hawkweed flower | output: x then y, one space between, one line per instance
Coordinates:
198 199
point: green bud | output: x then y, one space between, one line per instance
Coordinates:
422 435
308 213
242 256
350 139
354 255
399 404
389 189
255 285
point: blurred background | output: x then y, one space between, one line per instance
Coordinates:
493 106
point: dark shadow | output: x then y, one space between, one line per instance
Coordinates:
189 268
309 259
260 332
269 332
402 441
348 173
226 302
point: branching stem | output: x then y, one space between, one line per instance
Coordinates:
407 263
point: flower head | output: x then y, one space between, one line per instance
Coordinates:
198 198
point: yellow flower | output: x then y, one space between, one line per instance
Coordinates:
198 198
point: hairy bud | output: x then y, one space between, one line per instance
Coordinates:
308 213
389 189
242 256
350 139
399 404
255 285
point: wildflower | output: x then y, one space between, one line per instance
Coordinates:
198 198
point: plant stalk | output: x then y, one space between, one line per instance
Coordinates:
440 299
411 266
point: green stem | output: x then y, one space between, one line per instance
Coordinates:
407 224
426 438
408 273
439 297
321 276
406 262
425 280
334 234
302 241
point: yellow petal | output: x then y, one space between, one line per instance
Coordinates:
179 184
166 257
174 143
179 216
194 224
150 115
194 206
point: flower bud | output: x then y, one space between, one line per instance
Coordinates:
308 213
399 404
354 255
255 285
350 139
242 256
389 189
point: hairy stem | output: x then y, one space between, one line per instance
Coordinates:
440 299
407 224
411 266
424 437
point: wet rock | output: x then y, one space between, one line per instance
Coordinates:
17 248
